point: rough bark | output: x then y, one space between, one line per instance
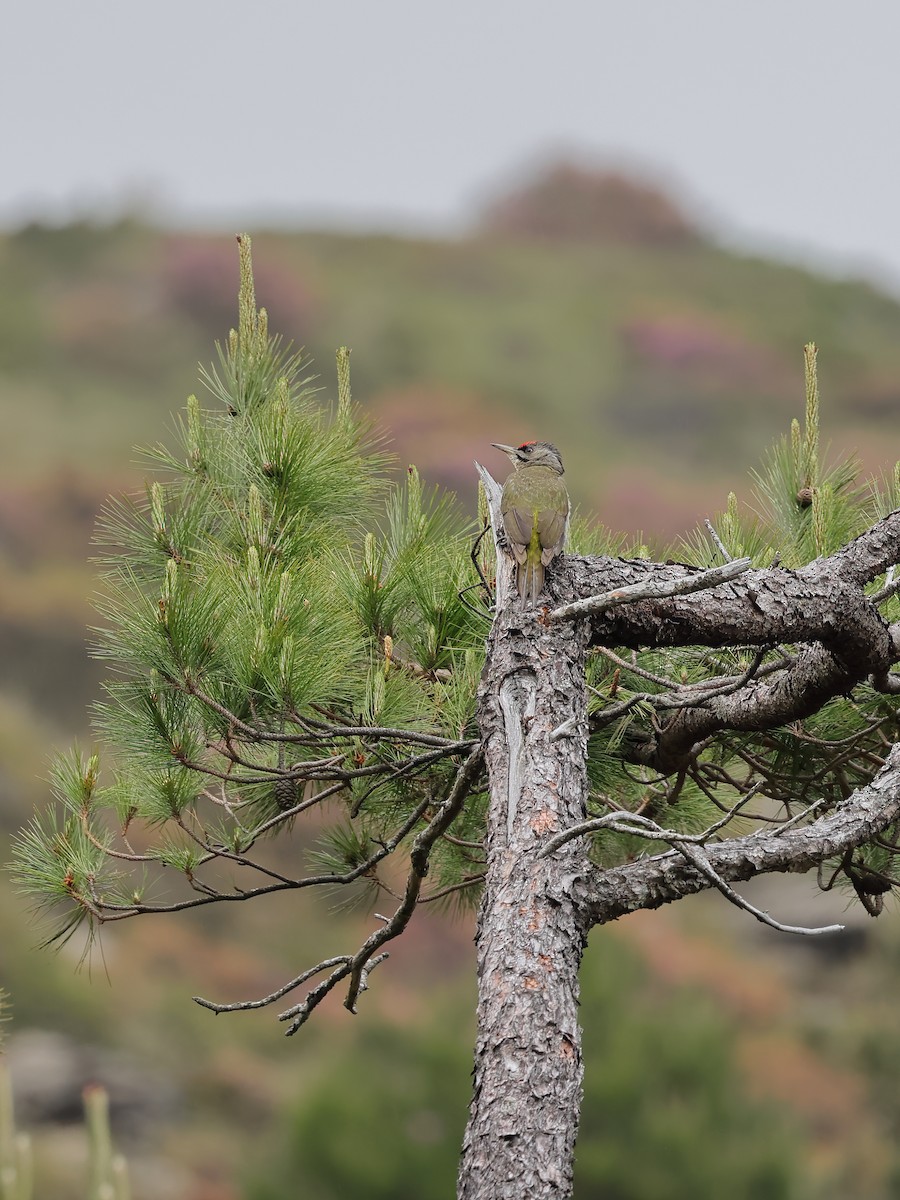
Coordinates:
528 1067
840 636
538 907
606 895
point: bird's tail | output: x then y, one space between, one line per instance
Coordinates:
530 580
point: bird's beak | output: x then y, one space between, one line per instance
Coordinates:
506 449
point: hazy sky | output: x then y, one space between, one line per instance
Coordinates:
779 118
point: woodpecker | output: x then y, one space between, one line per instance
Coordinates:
535 507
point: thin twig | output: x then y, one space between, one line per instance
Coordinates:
634 667
337 730
719 544
649 589
483 582
358 966
698 859
891 585
690 847
623 821
469 881
418 857
114 912
247 1005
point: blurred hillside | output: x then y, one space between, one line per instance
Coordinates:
586 308
583 306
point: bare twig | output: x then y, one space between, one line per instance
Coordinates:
649 589
719 544
109 911
634 667
419 854
604 716
247 1005
870 810
358 966
477 565
623 821
690 847
891 585
468 882
698 859
336 729
477 612
689 695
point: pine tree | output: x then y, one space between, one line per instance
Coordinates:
294 635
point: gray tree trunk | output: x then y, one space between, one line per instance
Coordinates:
528 1068
537 908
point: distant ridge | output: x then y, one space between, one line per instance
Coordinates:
567 202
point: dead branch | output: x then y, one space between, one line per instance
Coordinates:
651 589
606 895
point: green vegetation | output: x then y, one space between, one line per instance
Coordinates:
666 1088
267 598
290 636
676 357
662 373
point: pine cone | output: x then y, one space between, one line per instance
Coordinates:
285 793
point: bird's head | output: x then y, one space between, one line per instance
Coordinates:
532 454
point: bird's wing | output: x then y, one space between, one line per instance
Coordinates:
517 523
552 532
